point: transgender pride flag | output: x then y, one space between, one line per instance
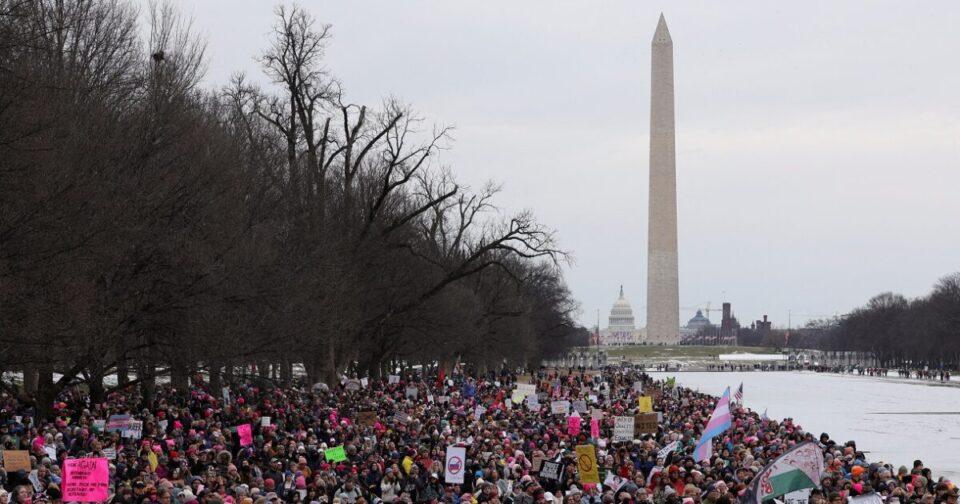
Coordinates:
719 422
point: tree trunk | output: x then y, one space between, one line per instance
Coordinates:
180 378
286 372
214 372
98 393
30 380
45 394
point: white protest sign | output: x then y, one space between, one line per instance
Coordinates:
613 481
412 392
662 454
163 425
393 379
580 406
596 414
134 430
623 429
559 407
455 464
478 412
802 496
265 421
51 452
226 394
110 453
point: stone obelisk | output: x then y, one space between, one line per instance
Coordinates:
663 299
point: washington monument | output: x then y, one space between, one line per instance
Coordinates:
663 299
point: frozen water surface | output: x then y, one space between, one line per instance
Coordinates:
847 407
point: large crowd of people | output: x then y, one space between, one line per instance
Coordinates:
375 441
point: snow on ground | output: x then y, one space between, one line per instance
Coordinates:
889 418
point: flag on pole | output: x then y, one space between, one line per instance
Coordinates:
719 422
738 396
797 469
764 415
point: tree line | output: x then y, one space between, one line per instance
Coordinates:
896 331
149 226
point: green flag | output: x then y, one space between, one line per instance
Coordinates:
335 454
671 381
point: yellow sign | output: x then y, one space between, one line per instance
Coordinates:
407 464
587 464
646 404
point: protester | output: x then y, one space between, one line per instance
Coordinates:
385 441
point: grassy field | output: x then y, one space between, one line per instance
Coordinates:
662 353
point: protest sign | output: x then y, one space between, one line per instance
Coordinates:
265 421
99 425
225 392
596 414
246 434
454 467
662 454
353 385
15 460
163 425
478 412
559 407
412 392
613 481
367 418
335 454
550 470
803 496
110 453
594 428
645 423
645 404
587 464
537 462
573 425
85 480
580 406
623 429
393 379
134 430
117 423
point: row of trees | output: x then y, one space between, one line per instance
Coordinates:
900 332
149 226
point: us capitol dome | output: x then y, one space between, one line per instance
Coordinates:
621 327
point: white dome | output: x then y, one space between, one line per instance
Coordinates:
621 315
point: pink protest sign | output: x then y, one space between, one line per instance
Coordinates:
246 435
573 425
85 480
594 428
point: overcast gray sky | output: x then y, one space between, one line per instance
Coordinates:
818 143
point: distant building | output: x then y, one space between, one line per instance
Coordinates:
701 331
621 327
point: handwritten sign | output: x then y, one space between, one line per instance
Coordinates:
335 454
265 421
412 392
367 418
573 425
246 434
623 429
645 423
134 429
14 460
85 480
594 428
559 407
393 379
